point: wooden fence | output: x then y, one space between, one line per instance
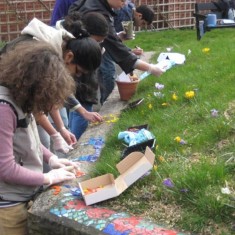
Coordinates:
15 14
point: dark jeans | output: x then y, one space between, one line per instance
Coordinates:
77 123
106 76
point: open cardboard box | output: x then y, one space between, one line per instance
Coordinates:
104 187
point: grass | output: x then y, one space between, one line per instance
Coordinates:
205 164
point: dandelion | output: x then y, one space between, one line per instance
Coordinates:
214 113
177 139
156 148
165 104
155 167
159 86
205 50
168 183
150 106
161 159
189 94
174 97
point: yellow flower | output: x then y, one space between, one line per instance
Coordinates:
177 139
150 106
174 97
161 159
165 104
189 94
156 147
155 167
205 50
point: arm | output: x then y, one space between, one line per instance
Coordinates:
13 173
75 105
59 143
10 171
122 55
67 135
89 116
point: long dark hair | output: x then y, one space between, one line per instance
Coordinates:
87 52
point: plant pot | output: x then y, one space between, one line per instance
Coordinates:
127 89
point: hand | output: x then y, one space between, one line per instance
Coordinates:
68 136
155 70
59 143
55 162
92 116
138 51
59 175
122 36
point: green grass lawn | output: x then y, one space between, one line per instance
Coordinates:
201 197
202 166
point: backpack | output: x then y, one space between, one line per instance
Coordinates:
21 123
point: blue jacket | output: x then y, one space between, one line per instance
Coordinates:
60 10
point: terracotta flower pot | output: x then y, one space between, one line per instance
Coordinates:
127 89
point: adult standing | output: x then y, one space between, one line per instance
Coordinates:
113 45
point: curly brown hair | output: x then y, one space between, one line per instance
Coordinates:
36 76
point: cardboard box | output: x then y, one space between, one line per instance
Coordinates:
104 187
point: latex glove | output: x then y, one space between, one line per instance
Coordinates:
68 136
59 175
55 162
59 144
155 70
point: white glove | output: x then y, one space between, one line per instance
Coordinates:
55 162
59 144
155 70
59 175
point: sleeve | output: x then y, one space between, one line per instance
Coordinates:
72 103
59 11
119 52
10 171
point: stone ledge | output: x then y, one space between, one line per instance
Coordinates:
41 221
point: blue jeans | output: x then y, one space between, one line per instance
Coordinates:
77 124
106 77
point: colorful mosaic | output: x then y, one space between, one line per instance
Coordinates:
105 220
97 144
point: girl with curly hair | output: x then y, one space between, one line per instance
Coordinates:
81 55
30 78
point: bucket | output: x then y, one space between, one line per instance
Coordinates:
128 28
211 20
127 89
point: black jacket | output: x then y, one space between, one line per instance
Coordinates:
114 46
